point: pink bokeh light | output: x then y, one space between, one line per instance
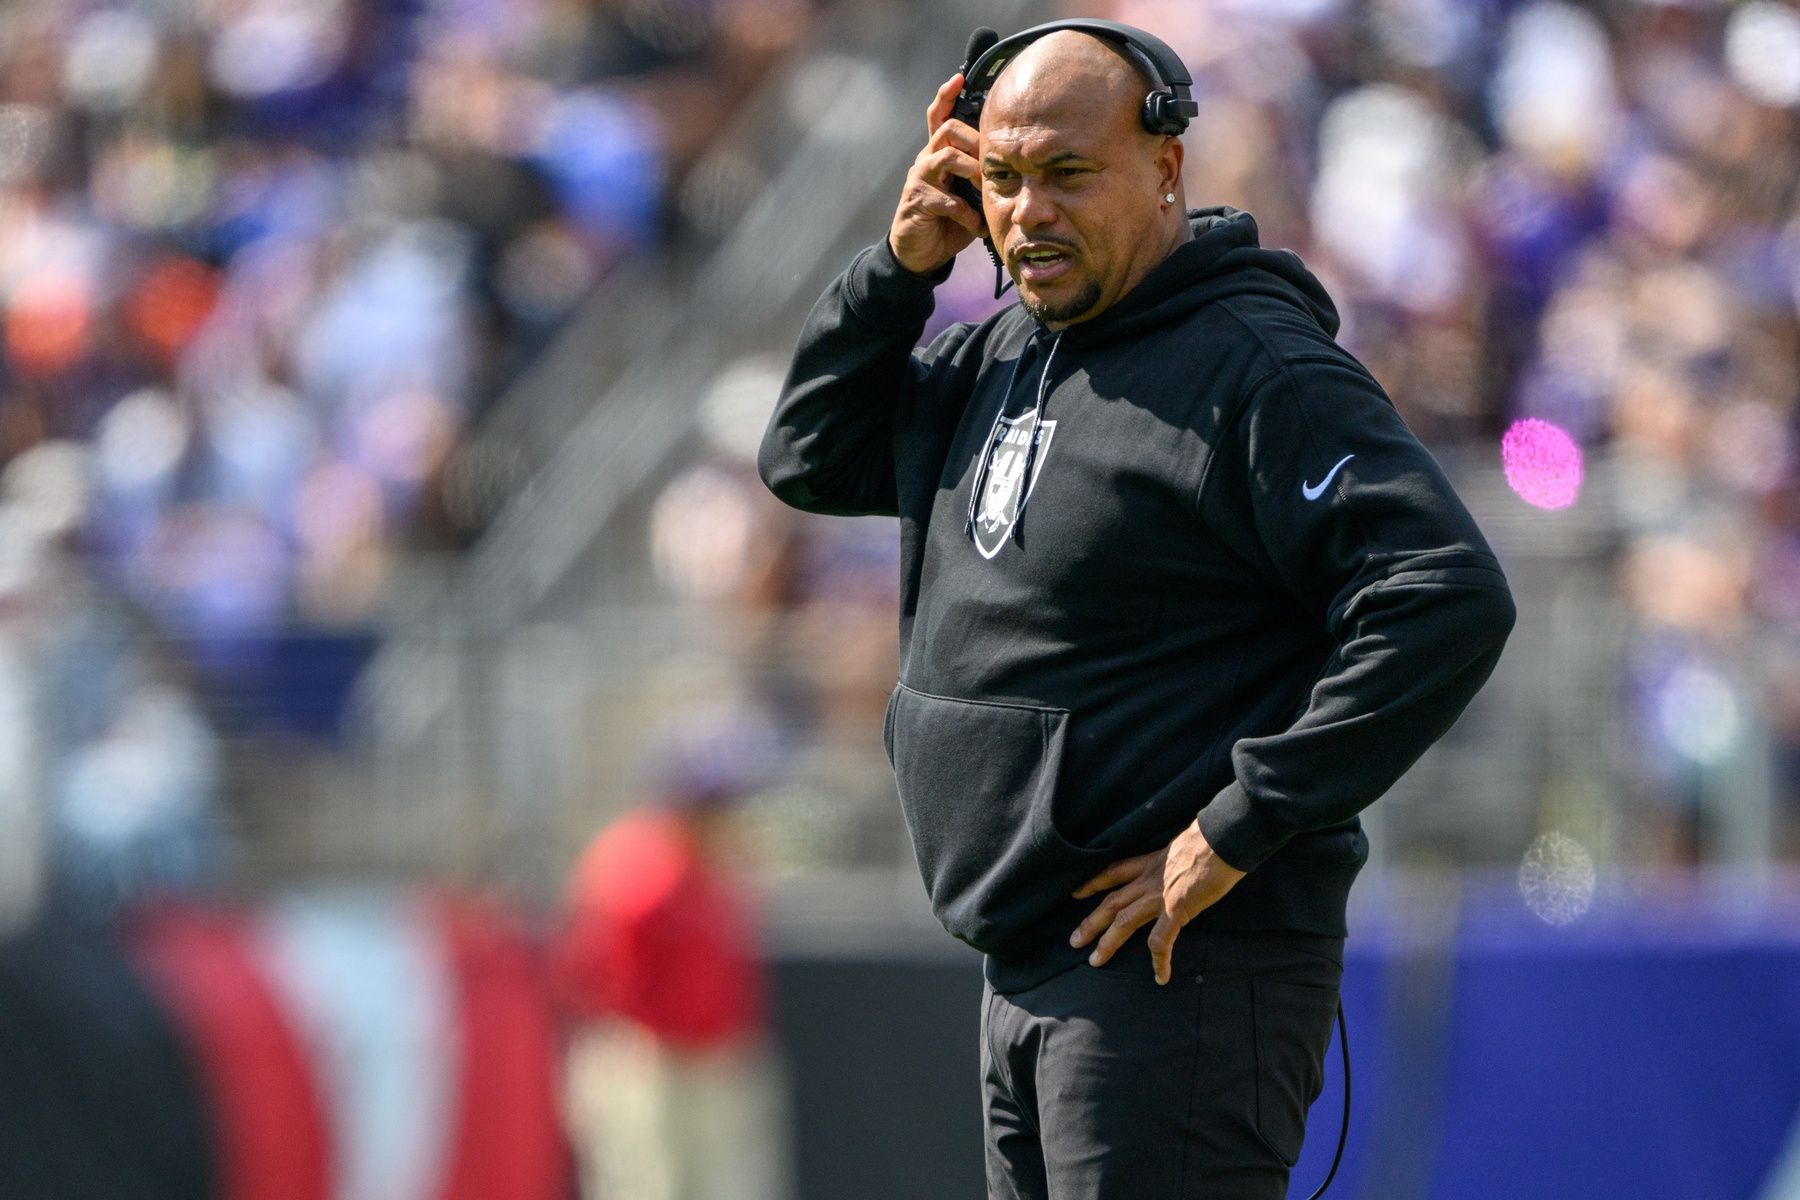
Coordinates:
1543 464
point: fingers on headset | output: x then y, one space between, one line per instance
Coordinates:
958 134
943 204
939 201
946 161
942 103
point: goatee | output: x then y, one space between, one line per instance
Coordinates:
1083 300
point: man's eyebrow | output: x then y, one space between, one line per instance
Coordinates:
1056 159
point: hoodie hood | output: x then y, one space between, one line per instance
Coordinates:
1223 259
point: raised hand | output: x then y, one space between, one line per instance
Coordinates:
932 224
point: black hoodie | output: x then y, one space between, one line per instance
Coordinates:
1241 589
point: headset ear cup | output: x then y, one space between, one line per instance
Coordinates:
1166 109
1160 117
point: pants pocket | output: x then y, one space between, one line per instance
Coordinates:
1291 1034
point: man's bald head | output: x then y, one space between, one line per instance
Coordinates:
1081 200
1070 65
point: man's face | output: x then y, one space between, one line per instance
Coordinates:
1071 185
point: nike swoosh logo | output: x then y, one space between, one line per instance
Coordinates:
1313 493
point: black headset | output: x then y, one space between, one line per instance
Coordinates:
1167 108
1166 111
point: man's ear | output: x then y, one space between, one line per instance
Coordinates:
1168 164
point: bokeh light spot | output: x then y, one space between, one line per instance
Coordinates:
1557 879
48 324
172 302
1543 464
1698 714
1762 51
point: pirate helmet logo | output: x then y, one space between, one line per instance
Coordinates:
997 500
1002 486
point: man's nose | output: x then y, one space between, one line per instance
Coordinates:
1034 208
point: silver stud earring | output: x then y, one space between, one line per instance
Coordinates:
1168 197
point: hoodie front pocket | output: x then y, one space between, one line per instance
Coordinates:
976 781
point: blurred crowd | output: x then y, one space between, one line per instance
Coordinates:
1586 215
264 265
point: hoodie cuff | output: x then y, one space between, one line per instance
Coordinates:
883 293
1239 830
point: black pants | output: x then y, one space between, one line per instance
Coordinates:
1102 1085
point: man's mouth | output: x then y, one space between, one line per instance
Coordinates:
1041 262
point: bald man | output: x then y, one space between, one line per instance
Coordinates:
1241 601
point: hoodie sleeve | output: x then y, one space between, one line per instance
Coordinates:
829 447
1321 480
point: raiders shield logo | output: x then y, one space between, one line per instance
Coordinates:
1002 485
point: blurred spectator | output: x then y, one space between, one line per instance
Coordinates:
111 779
673 1093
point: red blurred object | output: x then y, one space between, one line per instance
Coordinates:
508 1142
171 303
272 1141
661 936
48 323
